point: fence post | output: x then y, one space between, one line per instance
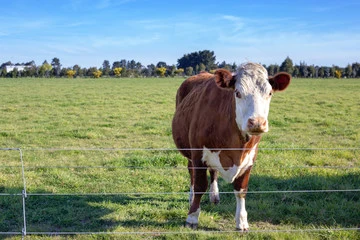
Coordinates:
24 194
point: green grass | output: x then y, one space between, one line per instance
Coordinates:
60 125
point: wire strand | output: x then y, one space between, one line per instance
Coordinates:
183 149
192 232
183 193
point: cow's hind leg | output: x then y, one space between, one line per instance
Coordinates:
200 186
191 173
214 189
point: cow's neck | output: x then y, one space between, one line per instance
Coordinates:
250 140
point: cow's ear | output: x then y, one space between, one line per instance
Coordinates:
280 81
224 78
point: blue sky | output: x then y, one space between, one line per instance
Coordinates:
87 32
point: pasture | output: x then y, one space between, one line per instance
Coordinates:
98 157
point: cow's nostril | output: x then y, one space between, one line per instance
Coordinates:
251 122
264 123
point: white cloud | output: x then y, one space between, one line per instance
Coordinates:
238 23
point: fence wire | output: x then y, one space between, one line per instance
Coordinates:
155 233
24 194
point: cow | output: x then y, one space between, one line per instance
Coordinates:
217 125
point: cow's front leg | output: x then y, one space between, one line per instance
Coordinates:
240 189
200 186
241 213
214 189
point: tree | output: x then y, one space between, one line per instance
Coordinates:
123 63
132 68
139 66
78 71
30 64
30 71
356 70
316 71
287 66
56 66
70 73
161 64
332 70
151 69
202 67
234 67
170 71
131 64
44 70
273 69
327 72
227 66
14 73
5 64
321 72
296 72
145 72
125 72
161 71
189 71
97 73
311 71
63 71
179 71
116 64
348 71
117 71
303 70
338 73
205 57
106 68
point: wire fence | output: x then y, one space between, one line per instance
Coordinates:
24 194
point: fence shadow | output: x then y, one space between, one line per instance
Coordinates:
48 213
54 213
99 213
105 213
11 217
331 209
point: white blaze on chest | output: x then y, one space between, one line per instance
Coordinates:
212 160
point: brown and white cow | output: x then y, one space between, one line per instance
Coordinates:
218 123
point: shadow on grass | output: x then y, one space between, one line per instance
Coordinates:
106 213
54 213
331 209
11 216
98 213
51 214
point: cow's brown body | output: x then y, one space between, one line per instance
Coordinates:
204 117
205 124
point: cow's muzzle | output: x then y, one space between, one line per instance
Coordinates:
257 125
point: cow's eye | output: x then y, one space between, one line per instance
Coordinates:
270 94
237 93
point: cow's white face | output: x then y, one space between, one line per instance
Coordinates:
253 89
252 99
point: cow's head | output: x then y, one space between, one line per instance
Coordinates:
253 90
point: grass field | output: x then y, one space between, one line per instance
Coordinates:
93 161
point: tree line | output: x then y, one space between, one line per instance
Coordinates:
187 65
